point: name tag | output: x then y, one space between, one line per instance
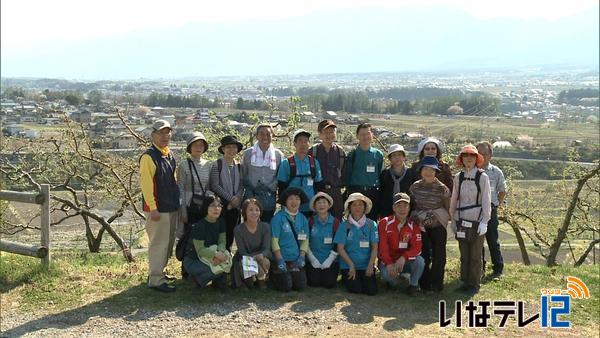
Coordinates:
403 245
460 234
309 182
370 168
466 224
301 237
327 240
364 244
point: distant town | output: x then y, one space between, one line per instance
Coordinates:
528 94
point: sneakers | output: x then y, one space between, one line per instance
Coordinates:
496 276
412 290
220 283
262 284
468 289
164 287
462 288
472 291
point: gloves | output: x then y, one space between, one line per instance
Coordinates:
314 262
453 226
327 263
281 265
482 229
300 262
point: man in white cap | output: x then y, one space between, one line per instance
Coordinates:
160 196
400 246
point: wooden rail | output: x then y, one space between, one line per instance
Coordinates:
43 199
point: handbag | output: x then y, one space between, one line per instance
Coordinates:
197 200
466 231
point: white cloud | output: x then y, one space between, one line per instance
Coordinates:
24 22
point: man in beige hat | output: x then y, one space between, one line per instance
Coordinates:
160 196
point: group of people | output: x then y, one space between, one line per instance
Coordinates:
340 213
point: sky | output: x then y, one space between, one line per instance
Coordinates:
114 40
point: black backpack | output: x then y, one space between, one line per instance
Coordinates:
182 245
311 161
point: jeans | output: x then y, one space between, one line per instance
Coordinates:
493 243
414 267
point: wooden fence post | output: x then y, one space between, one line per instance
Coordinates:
45 223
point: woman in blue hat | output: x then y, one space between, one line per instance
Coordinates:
431 146
430 204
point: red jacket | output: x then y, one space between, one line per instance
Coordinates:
390 245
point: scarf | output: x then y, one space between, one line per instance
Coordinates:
290 213
360 223
397 179
225 175
268 160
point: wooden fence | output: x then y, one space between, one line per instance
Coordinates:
42 198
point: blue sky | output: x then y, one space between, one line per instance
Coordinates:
155 39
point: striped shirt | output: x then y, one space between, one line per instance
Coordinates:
184 180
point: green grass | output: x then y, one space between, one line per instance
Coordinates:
104 281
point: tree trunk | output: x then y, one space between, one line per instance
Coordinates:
590 247
93 241
519 236
562 231
103 222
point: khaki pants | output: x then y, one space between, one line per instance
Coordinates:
471 261
161 235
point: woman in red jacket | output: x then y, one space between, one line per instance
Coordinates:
400 246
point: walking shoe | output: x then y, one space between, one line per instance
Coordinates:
184 273
463 288
164 287
262 284
472 291
412 290
437 288
170 278
220 283
496 276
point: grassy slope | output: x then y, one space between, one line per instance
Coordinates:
80 280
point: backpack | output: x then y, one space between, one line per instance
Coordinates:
342 158
469 234
311 161
336 224
181 247
461 179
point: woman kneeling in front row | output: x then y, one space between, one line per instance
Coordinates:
323 267
357 241
253 240
206 258
289 242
